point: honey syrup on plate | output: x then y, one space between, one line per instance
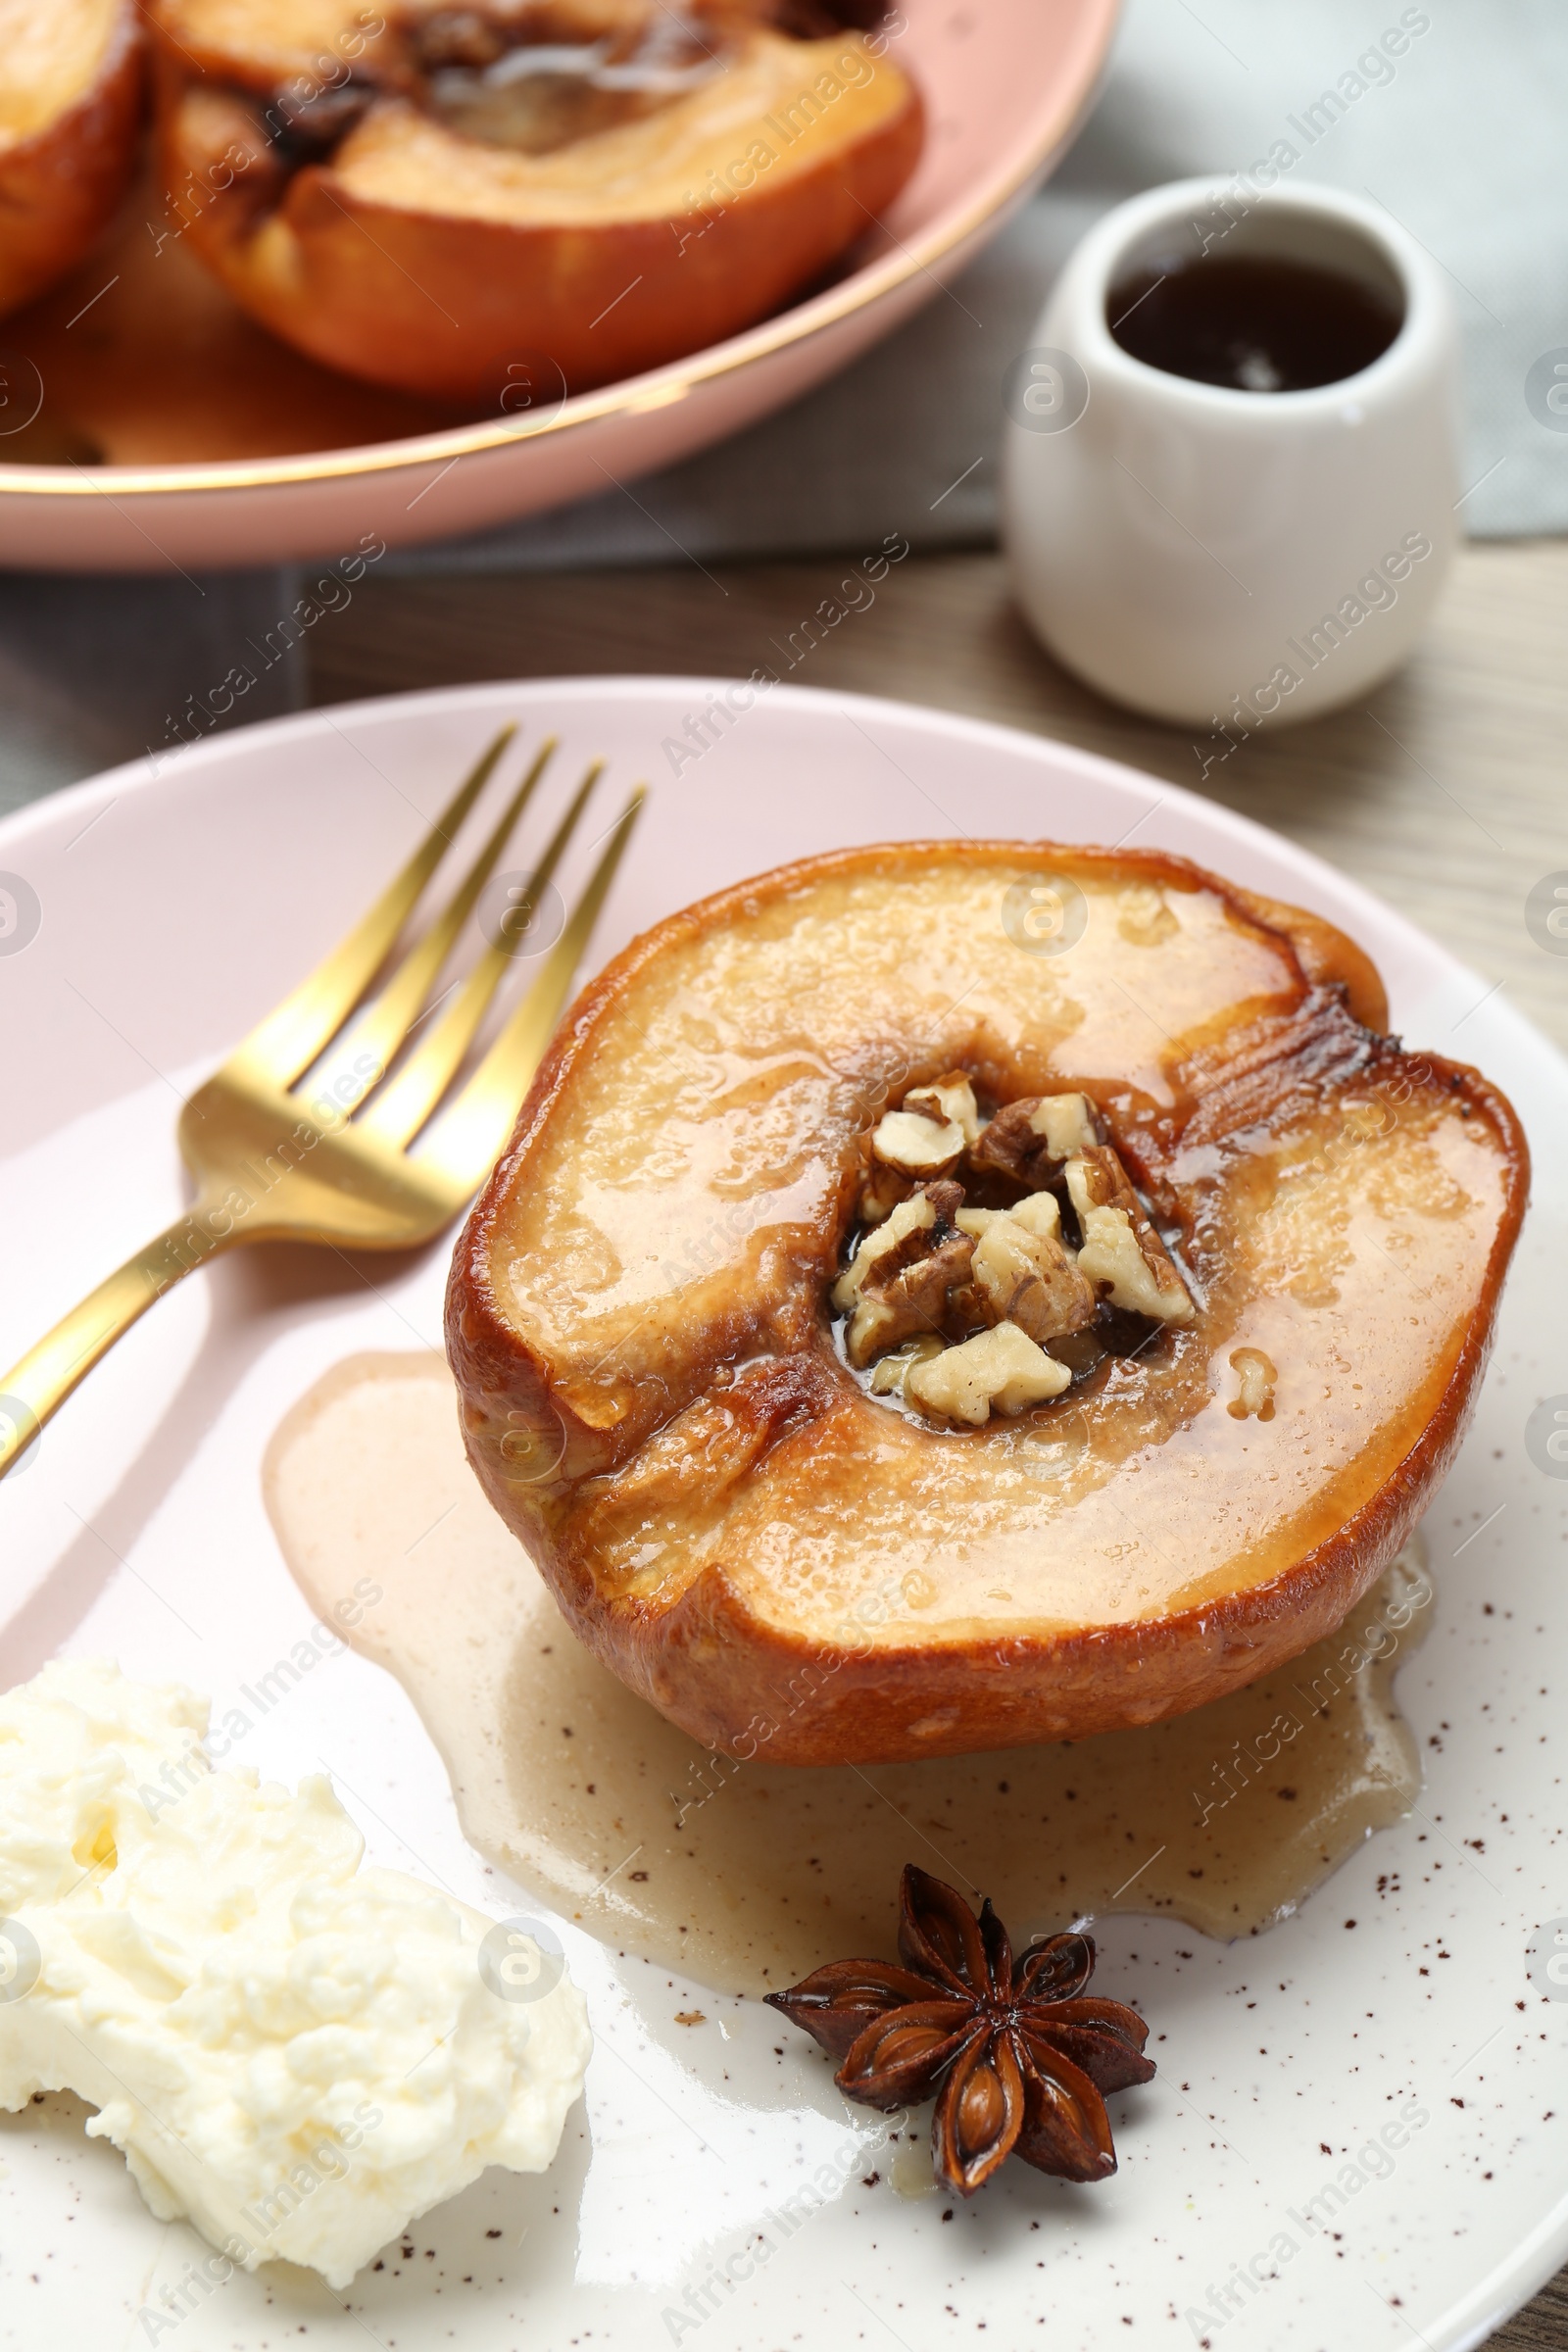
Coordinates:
746 1875
1251 323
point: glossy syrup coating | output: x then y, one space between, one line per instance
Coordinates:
639 1323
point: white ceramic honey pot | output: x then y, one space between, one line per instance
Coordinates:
1220 558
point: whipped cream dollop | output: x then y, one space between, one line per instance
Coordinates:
295 2053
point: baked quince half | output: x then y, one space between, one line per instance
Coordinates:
946 1295
505 202
71 96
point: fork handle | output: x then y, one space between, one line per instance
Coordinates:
34 1389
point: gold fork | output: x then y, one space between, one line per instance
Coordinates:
315 1129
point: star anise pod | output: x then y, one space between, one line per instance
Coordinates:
1019 2061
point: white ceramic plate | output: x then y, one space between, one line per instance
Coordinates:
174 908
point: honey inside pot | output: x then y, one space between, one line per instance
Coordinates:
1252 323
745 1874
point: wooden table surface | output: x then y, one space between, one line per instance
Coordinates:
1443 791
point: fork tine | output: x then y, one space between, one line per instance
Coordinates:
467 1140
295 1031
380 1027
399 1109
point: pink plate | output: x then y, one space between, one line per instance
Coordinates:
1259 2205
317 466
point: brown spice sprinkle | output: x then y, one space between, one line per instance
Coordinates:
1018 2059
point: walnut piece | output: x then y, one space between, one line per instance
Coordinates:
1030 1140
1001 1367
1040 1213
1036 1212
1022 1273
916 1214
884 1188
917 1146
948 1098
1068 1123
904 1271
1121 1251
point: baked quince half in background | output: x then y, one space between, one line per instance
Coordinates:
947 1295
499 202
70 95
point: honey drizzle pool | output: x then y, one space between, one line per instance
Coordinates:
745 1876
